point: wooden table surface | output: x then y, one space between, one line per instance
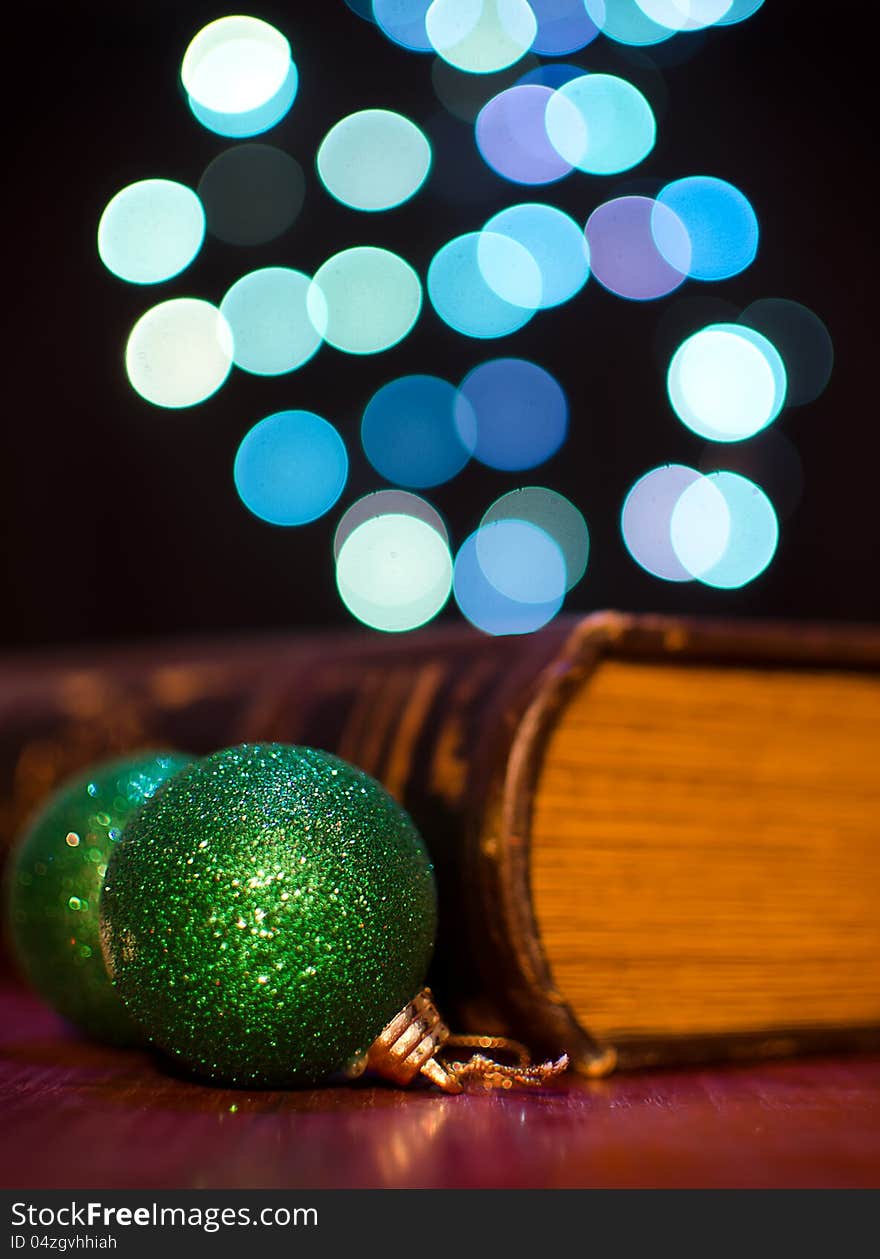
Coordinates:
77 1115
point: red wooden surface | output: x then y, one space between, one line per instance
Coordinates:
76 1115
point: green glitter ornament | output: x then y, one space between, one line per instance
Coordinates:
54 883
267 914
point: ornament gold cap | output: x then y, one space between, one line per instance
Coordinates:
410 1043
413 1044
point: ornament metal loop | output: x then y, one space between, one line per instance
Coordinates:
414 1041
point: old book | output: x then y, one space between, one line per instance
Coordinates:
656 841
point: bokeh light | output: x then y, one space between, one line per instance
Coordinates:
720 529
600 124
622 235
235 65
802 340
464 95
533 124
394 572
461 293
387 503
512 137
626 22
481 36
291 468
557 516
720 221
698 529
403 21
520 411
556 243
179 353
726 382
252 193
272 331
151 231
564 26
512 273
365 300
700 526
416 432
520 557
521 561
685 15
646 520
239 76
255 121
374 160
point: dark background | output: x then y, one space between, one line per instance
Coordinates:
121 520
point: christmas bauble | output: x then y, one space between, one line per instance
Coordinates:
267 914
54 884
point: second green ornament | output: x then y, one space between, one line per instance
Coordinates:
54 883
268 914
